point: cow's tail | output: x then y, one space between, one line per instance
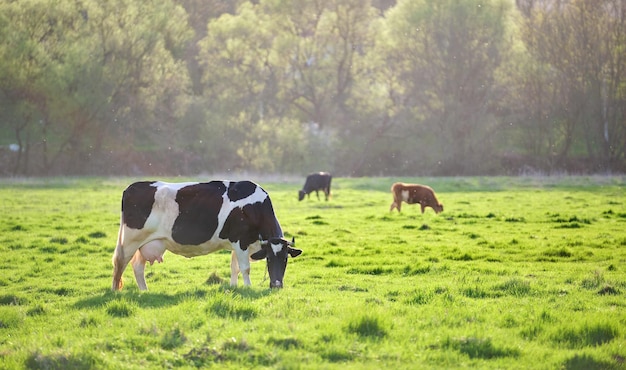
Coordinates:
118 257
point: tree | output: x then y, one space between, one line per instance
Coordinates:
576 99
83 74
437 75
285 62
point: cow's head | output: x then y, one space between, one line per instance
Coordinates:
276 251
301 194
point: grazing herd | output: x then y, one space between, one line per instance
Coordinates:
197 218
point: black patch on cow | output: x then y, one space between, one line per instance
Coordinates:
198 208
137 201
248 223
240 190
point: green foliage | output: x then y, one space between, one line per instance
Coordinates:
471 290
355 87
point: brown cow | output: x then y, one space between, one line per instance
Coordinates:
414 193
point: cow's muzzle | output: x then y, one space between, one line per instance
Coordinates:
276 284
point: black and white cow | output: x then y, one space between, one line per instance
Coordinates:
193 219
315 182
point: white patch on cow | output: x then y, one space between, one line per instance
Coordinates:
405 196
175 186
276 248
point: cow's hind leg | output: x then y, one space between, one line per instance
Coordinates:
396 204
119 265
139 266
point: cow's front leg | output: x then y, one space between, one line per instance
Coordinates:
241 260
139 264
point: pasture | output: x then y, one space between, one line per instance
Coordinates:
526 273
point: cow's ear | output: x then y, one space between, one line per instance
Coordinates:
259 255
293 252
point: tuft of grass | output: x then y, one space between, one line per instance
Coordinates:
203 356
587 334
515 287
593 282
82 240
463 257
335 263
377 270
9 318
120 308
232 307
475 292
368 325
337 354
98 235
586 362
417 270
59 240
88 321
12 300
479 348
63 360
214 279
173 339
608 289
36 310
562 252
419 298
285 343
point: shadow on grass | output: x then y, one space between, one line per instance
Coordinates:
586 362
159 300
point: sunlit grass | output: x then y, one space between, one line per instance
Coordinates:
514 270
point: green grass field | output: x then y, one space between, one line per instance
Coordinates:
516 273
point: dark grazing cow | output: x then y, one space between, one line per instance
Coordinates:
193 219
315 182
414 193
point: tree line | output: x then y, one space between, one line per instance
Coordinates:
356 87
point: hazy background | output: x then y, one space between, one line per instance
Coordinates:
355 87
